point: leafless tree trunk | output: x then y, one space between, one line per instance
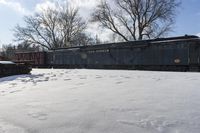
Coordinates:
137 19
52 28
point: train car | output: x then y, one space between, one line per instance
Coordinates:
8 68
35 59
2 58
176 53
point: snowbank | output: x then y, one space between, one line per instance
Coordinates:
100 101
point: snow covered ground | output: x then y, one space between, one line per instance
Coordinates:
100 101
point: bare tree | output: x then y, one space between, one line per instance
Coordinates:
52 28
83 39
137 19
71 26
8 51
24 47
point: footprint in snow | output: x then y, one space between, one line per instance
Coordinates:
67 79
13 84
15 91
61 73
80 84
98 77
158 79
53 75
46 79
54 79
25 80
124 122
127 77
119 82
83 77
38 115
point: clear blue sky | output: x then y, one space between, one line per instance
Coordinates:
12 12
188 18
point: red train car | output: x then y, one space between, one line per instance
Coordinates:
36 59
2 58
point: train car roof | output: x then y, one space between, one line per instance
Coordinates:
137 43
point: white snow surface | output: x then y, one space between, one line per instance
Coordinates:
100 101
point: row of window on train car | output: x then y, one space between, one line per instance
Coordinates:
171 46
139 49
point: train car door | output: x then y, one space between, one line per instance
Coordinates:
194 52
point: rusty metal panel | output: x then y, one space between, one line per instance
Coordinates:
36 58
